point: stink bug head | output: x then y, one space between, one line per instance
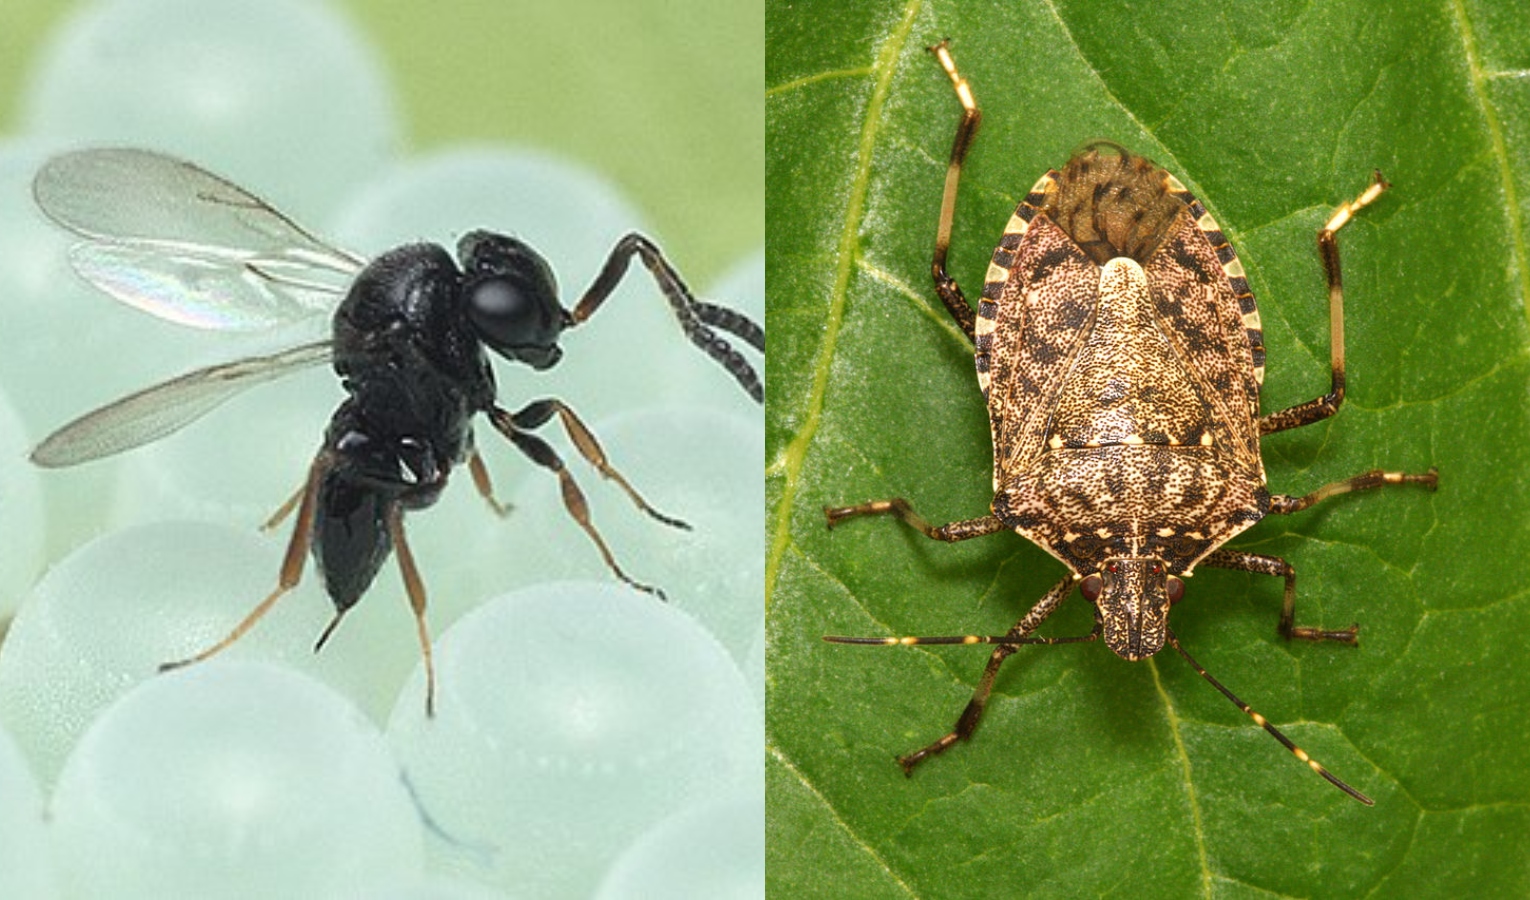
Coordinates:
511 297
1132 596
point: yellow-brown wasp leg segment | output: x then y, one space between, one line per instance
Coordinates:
292 565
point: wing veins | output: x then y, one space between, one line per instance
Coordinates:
162 409
158 231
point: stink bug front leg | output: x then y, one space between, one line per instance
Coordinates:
1320 408
1274 565
1007 643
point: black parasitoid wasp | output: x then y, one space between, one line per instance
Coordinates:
408 340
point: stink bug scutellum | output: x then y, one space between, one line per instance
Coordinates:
1119 349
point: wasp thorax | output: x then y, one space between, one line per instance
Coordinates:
1133 597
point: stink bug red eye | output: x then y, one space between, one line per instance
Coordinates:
1121 355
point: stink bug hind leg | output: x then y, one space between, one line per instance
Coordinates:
945 285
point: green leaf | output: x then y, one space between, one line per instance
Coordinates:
1090 775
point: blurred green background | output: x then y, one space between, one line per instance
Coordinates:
665 99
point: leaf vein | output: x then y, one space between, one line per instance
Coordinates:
796 451
1512 210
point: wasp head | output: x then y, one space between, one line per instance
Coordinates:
511 297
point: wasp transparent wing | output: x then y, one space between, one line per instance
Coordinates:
177 241
165 408
189 286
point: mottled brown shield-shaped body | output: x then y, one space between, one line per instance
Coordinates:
1120 352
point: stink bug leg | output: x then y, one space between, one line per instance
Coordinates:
1119 349
1320 408
1272 565
1007 643
897 506
950 292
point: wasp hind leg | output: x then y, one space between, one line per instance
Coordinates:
292 563
414 586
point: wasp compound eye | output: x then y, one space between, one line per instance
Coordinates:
511 298
409 332
515 321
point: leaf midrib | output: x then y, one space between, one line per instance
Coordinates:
1500 149
795 453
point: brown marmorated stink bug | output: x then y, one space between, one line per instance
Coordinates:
1120 352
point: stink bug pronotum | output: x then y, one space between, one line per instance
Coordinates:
1120 352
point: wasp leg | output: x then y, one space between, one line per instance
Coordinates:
697 319
285 510
535 415
897 506
485 485
414 586
573 499
945 285
1020 634
292 565
1274 565
1328 246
